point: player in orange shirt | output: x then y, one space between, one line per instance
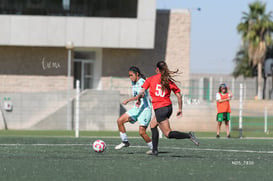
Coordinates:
160 87
223 108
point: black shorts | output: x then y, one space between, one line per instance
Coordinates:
163 113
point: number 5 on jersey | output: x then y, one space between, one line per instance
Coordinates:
158 91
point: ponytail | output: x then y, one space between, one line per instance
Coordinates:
166 75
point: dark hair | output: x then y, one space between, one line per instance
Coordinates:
222 86
136 70
166 74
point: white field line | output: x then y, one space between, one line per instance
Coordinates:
177 148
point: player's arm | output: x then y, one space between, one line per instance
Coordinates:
129 100
180 103
177 91
133 99
229 93
218 98
140 95
223 100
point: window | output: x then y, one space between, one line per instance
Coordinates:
89 8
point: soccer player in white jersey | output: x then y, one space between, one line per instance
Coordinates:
141 112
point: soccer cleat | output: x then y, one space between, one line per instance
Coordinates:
122 145
218 136
154 152
193 138
228 136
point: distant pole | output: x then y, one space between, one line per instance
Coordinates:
210 88
77 109
265 119
69 46
230 125
201 89
241 112
233 87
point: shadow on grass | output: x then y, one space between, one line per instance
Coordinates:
168 154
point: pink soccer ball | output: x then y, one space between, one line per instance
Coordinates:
99 146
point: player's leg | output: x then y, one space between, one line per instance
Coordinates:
162 115
165 128
219 119
155 135
227 124
122 131
121 121
144 119
218 129
145 136
227 128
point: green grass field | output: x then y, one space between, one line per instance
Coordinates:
252 126
57 155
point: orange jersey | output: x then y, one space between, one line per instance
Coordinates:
223 106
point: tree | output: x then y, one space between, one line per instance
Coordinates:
242 65
256 28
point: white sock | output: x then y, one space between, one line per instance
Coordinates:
150 145
123 136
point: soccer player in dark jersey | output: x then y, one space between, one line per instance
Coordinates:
160 87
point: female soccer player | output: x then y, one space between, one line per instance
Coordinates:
160 87
223 108
141 112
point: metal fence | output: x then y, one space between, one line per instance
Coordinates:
200 104
204 89
99 109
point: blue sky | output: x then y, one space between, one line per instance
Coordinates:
214 38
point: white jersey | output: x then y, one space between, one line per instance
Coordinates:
136 87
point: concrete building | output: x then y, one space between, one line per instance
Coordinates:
45 46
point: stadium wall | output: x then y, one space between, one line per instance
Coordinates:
37 76
26 68
99 110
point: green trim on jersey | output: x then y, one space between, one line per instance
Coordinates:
145 101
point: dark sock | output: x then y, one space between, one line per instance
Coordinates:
178 135
155 137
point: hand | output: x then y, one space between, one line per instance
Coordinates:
179 113
137 103
125 102
230 95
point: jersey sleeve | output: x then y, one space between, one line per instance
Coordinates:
174 87
218 96
146 84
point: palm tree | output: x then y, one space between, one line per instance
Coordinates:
242 65
256 28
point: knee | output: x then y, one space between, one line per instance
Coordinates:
167 133
120 121
142 132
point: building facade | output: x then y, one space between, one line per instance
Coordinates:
47 45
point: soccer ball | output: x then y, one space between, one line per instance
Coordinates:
99 146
